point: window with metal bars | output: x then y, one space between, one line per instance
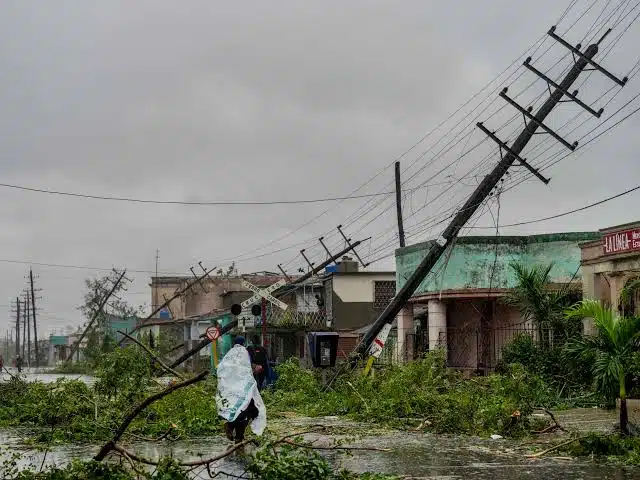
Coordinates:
383 293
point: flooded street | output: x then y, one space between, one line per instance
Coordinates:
413 455
42 375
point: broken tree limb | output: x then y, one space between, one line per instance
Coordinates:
111 444
194 463
333 447
556 425
555 447
151 354
96 314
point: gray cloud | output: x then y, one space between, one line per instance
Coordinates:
254 100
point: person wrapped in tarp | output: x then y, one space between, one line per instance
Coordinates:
238 399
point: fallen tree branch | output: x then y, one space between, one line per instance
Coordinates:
334 447
555 447
151 354
111 444
550 428
194 463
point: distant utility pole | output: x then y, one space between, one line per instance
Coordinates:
24 328
399 205
17 326
27 319
35 327
509 155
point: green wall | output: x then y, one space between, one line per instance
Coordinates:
470 263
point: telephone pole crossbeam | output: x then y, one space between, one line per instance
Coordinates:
527 113
310 263
348 242
504 146
586 58
567 93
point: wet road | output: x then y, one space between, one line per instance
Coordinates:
417 456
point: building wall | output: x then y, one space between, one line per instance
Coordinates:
205 298
352 299
470 264
607 271
354 287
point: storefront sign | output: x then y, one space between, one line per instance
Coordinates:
621 242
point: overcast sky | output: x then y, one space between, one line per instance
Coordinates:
288 100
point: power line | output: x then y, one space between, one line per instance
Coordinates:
194 203
591 205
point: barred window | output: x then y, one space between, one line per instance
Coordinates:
383 293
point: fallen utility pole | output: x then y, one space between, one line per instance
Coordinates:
581 60
281 291
96 314
399 206
167 301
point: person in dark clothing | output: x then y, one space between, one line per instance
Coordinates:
259 361
235 430
19 363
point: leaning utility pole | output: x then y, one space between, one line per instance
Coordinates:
399 205
35 328
581 60
97 313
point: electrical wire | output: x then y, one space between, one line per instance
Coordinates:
564 214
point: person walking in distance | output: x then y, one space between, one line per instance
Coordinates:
259 361
19 363
238 398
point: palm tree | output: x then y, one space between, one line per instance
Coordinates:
609 352
536 301
628 295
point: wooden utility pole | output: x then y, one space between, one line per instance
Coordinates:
581 60
24 328
35 327
399 205
28 320
17 326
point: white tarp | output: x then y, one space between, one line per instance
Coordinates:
237 387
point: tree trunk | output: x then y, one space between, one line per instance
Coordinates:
624 416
